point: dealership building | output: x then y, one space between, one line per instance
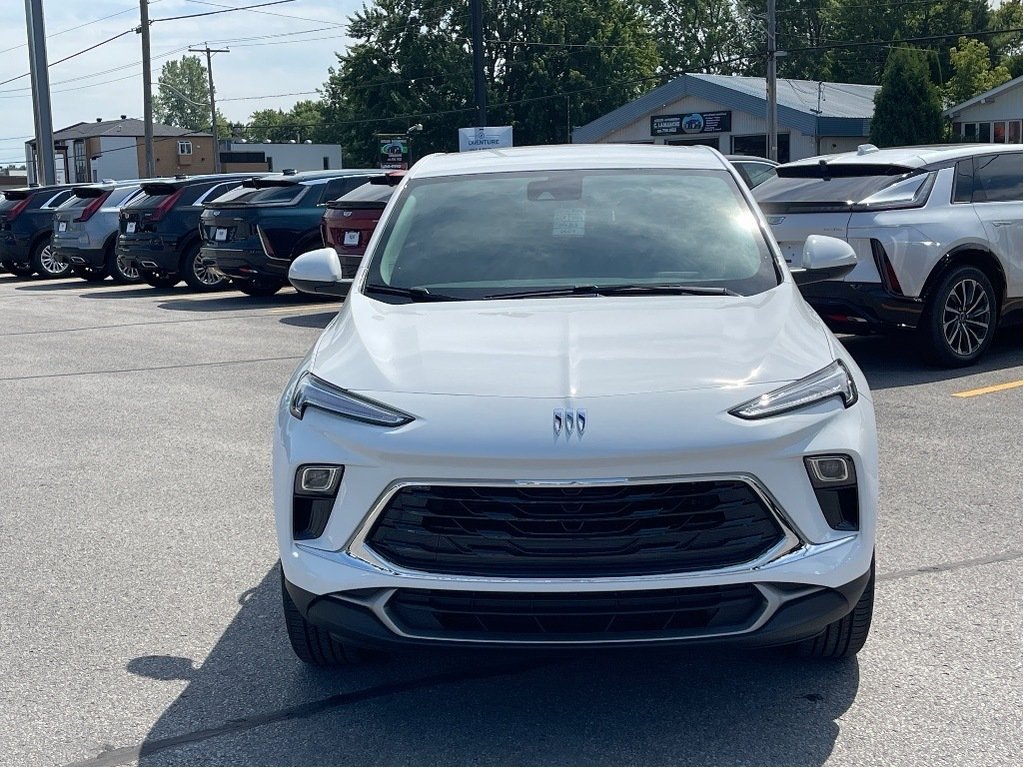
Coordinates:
729 114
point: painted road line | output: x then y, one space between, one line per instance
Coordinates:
989 390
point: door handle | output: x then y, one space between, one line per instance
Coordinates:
1003 223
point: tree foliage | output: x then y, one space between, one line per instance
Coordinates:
973 72
696 36
183 94
548 65
303 122
908 107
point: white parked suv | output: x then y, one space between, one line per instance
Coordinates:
574 397
937 232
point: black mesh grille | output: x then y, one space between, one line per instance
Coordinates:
591 531
578 616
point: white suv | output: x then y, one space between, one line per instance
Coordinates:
575 398
937 231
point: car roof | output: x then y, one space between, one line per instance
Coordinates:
568 157
911 157
750 159
301 176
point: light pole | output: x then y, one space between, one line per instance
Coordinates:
418 128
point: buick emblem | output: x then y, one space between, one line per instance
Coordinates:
571 420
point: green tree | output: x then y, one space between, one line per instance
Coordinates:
908 106
973 72
183 94
696 36
549 65
799 24
1006 47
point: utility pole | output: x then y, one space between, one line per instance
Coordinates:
45 172
147 89
476 13
213 104
773 109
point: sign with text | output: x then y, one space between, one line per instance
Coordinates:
694 122
394 153
492 137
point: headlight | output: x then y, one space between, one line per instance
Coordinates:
311 391
831 381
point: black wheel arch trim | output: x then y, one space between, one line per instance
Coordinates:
974 255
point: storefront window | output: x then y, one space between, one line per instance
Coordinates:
757 145
1014 133
985 132
999 132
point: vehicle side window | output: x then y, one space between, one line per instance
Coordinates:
60 197
963 183
758 172
998 178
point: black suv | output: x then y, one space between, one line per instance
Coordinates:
253 233
159 230
26 224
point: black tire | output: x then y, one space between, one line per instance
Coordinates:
258 286
843 638
90 274
960 317
120 272
312 644
160 281
199 278
45 264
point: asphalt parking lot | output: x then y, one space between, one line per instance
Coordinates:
140 618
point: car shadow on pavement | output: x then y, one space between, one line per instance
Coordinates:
252 702
897 361
137 292
311 320
66 284
233 302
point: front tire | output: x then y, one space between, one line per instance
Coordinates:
258 287
119 270
960 318
843 638
200 278
46 263
313 645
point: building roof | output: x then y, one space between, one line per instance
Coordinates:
566 157
128 127
812 107
981 97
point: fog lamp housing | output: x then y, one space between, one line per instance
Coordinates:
315 489
834 480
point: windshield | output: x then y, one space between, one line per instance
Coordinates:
479 236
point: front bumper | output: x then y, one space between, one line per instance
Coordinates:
244 264
808 576
853 307
788 613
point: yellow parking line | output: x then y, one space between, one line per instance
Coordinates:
989 390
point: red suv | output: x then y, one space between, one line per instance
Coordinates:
349 221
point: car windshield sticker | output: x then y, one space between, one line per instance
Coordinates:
569 222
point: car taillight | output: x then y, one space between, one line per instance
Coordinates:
18 208
92 207
168 203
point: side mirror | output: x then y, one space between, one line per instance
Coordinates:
824 258
319 272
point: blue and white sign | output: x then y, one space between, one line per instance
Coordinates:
491 137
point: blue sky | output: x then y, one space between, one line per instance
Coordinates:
107 82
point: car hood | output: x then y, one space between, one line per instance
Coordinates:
572 347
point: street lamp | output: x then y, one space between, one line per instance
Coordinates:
417 128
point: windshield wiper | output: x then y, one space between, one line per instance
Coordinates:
415 294
625 289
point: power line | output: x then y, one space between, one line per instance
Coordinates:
80 26
269 13
227 10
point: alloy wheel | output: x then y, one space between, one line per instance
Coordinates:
128 273
51 265
966 316
204 274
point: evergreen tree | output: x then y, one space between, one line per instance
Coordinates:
908 107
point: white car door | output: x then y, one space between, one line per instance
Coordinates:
998 202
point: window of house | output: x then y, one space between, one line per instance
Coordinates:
1013 135
184 147
985 132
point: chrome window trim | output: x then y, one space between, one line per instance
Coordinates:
774 598
357 548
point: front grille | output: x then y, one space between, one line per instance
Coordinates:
547 617
590 531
